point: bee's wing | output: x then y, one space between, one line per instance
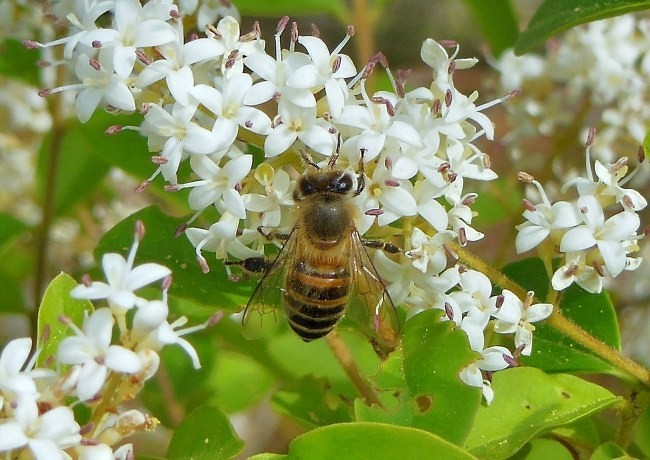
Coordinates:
371 307
260 315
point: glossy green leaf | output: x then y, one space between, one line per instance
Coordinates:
553 351
311 402
528 402
646 144
57 302
554 16
363 441
10 228
18 62
543 449
238 382
582 432
431 393
279 8
497 22
609 451
205 434
159 245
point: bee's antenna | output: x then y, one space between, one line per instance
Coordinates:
307 159
361 178
335 155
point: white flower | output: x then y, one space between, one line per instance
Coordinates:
274 74
17 376
152 331
492 360
376 125
175 67
519 317
228 104
324 71
99 83
608 187
123 279
428 251
575 270
91 349
218 183
46 436
394 198
236 47
175 135
542 221
221 239
277 187
132 29
295 122
608 235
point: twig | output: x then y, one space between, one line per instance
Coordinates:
343 355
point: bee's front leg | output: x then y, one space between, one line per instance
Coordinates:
273 234
259 264
378 244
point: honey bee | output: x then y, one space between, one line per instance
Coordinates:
323 271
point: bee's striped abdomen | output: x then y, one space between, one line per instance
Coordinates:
316 298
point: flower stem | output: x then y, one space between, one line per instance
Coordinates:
560 322
344 357
42 234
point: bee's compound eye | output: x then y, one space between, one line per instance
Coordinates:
307 187
344 183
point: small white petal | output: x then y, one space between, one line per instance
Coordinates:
122 360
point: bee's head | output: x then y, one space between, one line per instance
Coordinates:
330 181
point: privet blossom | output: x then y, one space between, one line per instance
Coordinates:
595 234
90 367
200 97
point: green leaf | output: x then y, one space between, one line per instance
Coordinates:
553 351
205 434
582 432
362 441
10 228
434 355
543 449
646 144
56 302
609 451
311 402
497 22
554 16
521 410
159 245
279 8
238 382
18 62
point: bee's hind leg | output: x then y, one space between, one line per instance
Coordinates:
378 244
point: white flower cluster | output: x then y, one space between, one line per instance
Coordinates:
200 99
595 233
596 71
91 368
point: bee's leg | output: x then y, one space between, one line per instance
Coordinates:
378 244
361 177
252 264
273 235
